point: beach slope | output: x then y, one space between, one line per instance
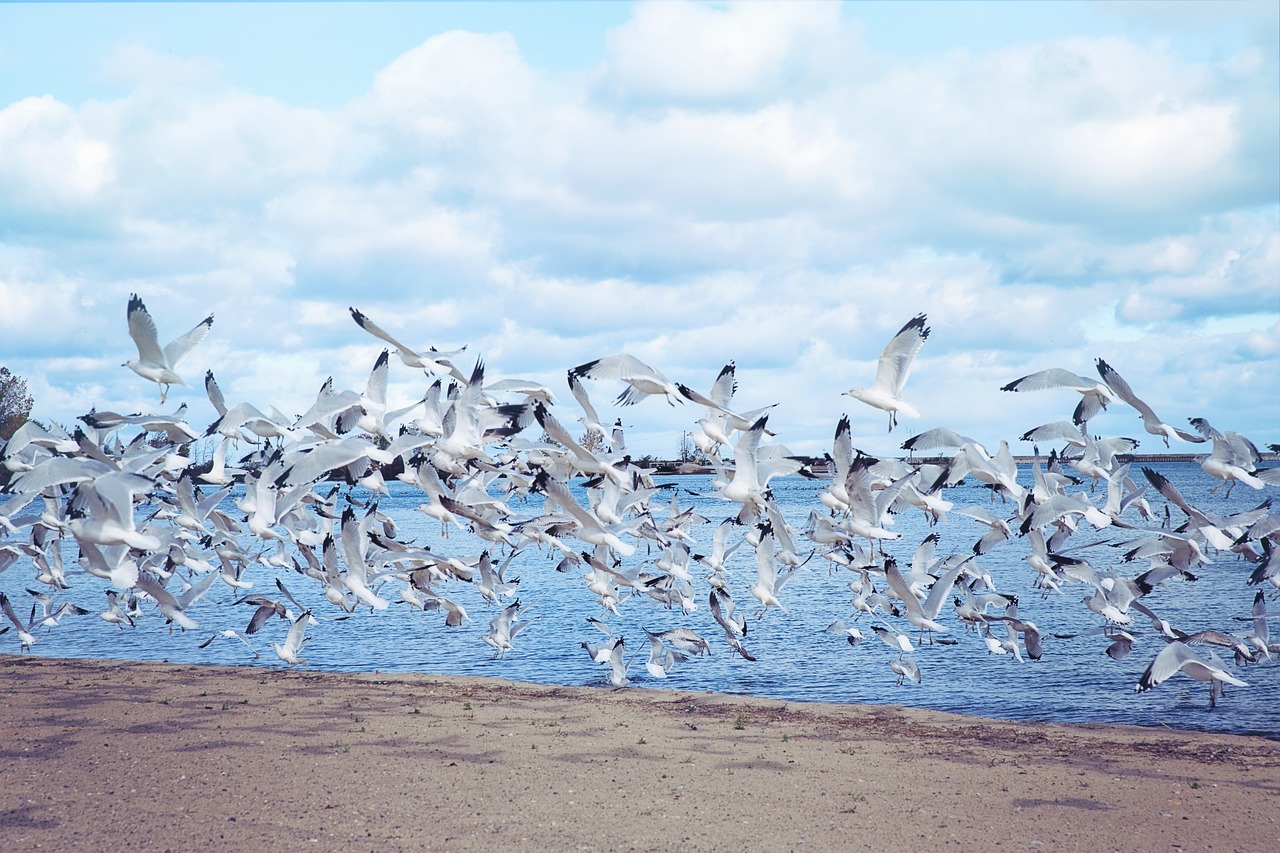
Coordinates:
112 755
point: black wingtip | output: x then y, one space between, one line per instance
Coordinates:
582 369
918 323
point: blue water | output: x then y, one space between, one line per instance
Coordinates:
797 661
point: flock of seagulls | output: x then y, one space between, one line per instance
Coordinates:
121 500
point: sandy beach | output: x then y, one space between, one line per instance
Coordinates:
104 754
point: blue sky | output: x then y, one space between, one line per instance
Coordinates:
779 184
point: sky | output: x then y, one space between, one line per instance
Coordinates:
780 185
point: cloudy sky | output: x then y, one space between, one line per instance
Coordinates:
547 183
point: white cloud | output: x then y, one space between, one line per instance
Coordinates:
48 160
747 181
695 52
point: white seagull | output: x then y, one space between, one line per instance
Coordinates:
1178 656
1150 420
1094 395
154 363
891 372
432 361
642 380
294 641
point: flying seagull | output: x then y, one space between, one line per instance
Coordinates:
153 362
1178 657
1150 420
432 361
642 380
891 372
1094 395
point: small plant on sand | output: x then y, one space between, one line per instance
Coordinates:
741 722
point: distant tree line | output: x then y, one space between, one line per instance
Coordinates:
15 403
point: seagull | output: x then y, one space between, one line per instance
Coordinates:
114 613
154 363
721 420
1233 459
1150 420
590 420
642 380
504 628
25 638
906 668
266 608
893 638
1094 395
588 527
229 634
661 659
1178 656
172 607
891 372
50 615
923 616
108 517
294 641
768 582
851 634
683 639
432 361
734 627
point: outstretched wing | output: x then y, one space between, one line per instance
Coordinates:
143 331
179 347
895 361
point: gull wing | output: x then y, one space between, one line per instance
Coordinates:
179 347
1051 379
622 366
378 332
1171 660
895 361
143 331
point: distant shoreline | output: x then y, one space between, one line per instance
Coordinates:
819 465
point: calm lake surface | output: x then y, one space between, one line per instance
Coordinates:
797 660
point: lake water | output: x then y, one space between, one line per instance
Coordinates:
797 660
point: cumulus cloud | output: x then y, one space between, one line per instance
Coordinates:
49 161
686 52
748 181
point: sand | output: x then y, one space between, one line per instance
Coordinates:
113 755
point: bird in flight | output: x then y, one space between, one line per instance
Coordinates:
642 380
1150 420
891 372
155 363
